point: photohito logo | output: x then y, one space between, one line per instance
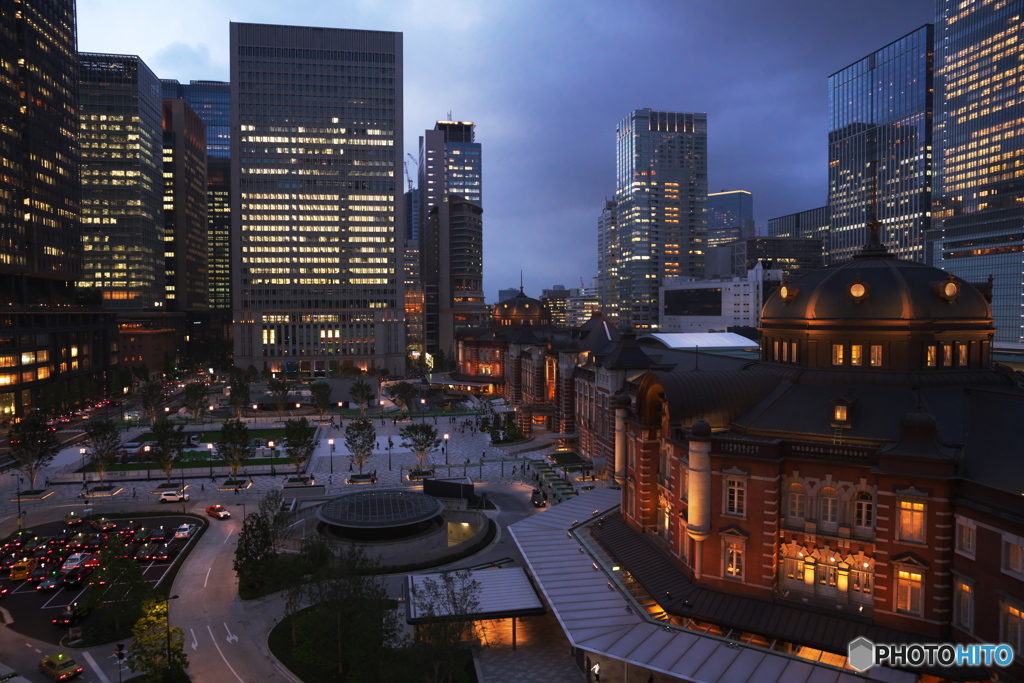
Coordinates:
863 654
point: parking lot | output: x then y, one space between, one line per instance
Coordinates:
33 610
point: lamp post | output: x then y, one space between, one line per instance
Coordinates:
389 454
446 450
331 442
19 499
209 457
241 505
168 601
81 451
145 449
423 409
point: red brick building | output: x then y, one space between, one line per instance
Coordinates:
862 478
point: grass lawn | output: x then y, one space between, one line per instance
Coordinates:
213 436
197 463
566 458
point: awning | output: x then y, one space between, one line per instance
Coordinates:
504 593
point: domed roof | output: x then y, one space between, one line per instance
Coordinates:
521 310
876 286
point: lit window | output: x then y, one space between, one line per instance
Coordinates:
961 355
785 352
876 356
964 607
792 354
856 355
912 521
929 356
796 501
775 350
1013 628
908 592
947 355
734 560
735 490
861 582
863 511
794 569
840 413
827 575
837 354
965 533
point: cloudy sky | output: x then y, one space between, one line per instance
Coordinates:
546 81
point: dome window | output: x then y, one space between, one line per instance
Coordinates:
949 290
858 290
788 293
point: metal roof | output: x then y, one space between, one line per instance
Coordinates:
597 617
505 592
705 341
380 508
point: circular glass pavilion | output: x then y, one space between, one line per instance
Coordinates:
380 515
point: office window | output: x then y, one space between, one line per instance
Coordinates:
965 533
908 592
837 354
929 356
829 504
876 355
734 560
796 501
964 607
912 521
1013 629
735 494
863 510
856 355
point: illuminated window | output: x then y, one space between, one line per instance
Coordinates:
792 354
827 575
947 355
840 413
1013 628
908 592
856 354
929 356
734 560
837 354
964 607
961 355
876 356
785 352
861 582
775 350
912 521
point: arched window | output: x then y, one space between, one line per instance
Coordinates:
797 498
863 510
828 502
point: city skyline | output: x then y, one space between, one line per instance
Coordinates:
762 82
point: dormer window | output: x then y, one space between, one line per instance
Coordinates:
856 354
837 354
839 413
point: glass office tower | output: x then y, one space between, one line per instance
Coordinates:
661 201
316 174
979 194
122 181
730 217
880 148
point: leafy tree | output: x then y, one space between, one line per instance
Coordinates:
351 626
148 653
170 441
239 397
152 399
300 437
485 424
195 399
272 510
421 439
233 447
321 397
266 374
360 439
279 393
103 441
446 606
254 550
251 374
118 588
402 394
361 394
33 446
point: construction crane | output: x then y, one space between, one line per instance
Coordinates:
407 176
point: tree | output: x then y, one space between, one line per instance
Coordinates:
300 437
170 441
152 399
195 399
239 397
321 397
279 393
361 394
254 550
148 653
402 394
233 447
33 446
360 439
446 607
103 441
421 439
118 588
271 508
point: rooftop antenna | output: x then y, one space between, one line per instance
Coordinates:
873 246
521 282
696 358
449 114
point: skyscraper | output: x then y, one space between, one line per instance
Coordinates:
608 259
450 163
122 181
730 216
979 189
53 354
880 148
316 199
185 250
661 199
211 100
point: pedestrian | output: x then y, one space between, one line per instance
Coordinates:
47 482
236 489
202 487
545 494
596 670
133 493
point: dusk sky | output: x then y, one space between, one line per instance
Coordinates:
547 81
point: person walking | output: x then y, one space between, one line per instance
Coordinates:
133 493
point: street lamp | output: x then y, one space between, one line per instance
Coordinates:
19 499
331 442
168 601
81 451
209 457
446 449
241 505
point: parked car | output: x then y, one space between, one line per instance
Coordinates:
146 550
76 560
173 496
76 577
59 667
168 551
185 531
23 568
218 511
103 524
68 616
73 519
50 583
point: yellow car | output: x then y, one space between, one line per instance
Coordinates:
59 667
22 568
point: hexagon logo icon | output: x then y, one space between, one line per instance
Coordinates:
861 654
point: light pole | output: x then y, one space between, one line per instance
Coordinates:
19 499
331 442
145 449
389 454
209 457
81 451
241 505
446 450
168 601
423 409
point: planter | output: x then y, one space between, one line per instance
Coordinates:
419 475
173 486
361 479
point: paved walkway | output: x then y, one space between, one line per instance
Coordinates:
543 654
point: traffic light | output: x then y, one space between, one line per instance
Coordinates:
119 651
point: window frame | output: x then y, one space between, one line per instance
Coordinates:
909 583
857 355
961 588
828 498
876 350
838 355
966 529
733 483
733 550
1011 626
863 507
913 518
797 502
